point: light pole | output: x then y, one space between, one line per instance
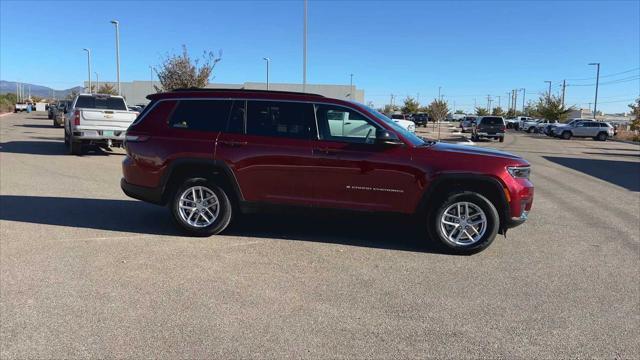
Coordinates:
97 82
268 60
549 93
595 101
151 76
524 92
351 86
117 24
304 50
439 88
89 67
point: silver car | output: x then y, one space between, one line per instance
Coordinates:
597 130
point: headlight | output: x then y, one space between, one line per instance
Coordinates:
519 172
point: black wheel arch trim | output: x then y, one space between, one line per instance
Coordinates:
504 211
216 166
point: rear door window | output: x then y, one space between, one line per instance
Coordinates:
201 115
492 121
280 119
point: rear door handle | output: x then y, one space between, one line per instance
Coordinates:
325 151
232 143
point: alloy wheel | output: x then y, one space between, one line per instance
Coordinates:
198 206
463 223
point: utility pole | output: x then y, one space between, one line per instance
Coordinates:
391 103
97 82
17 92
548 93
29 92
117 24
304 50
510 99
515 100
524 92
268 60
564 86
499 101
489 103
595 102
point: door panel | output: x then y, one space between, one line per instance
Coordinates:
270 154
351 171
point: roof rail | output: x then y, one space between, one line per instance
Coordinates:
245 90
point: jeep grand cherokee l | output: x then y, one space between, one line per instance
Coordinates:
211 153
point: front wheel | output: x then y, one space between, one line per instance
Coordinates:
465 222
201 208
566 135
602 137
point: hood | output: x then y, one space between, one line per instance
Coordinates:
473 150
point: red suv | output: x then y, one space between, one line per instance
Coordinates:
209 153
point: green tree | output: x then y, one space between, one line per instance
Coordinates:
107 88
410 106
180 71
551 108
480 111
438 110
388 109
635 112
72 94
459 112
497 111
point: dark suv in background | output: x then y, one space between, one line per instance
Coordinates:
488 127
210 153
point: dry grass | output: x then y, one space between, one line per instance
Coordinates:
628 135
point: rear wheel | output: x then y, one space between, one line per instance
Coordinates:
566 135
602 136
200 207
73 147
502 139
465 222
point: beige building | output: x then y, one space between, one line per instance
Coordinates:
136 92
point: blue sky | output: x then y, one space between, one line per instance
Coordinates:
469 48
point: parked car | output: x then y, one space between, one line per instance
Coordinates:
542 124
58 112
50 109
557 129
529 125
597 130
521 120
96 119
467 123
420 119
489 127
401 120
210 153
20 107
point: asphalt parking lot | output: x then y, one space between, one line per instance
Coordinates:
87 272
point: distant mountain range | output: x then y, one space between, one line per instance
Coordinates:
36 90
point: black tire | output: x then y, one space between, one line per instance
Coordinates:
530 130
566 135
491 214
602 136
225 208
73 147
502 139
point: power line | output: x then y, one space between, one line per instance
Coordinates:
617 81
604 76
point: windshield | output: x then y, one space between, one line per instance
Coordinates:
411 137
99 102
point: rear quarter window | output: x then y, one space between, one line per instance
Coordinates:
201 115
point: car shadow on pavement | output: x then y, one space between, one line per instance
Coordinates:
37 126
625 174
48 148
363 230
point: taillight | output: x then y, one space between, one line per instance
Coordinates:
76 117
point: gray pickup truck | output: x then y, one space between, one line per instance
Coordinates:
96 119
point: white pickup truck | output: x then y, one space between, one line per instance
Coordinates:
20 107
96 119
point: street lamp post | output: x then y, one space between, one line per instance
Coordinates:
268 60
89 67
117 24
351 86
97 82
524 92
595 101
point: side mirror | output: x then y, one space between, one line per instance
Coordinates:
387 137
